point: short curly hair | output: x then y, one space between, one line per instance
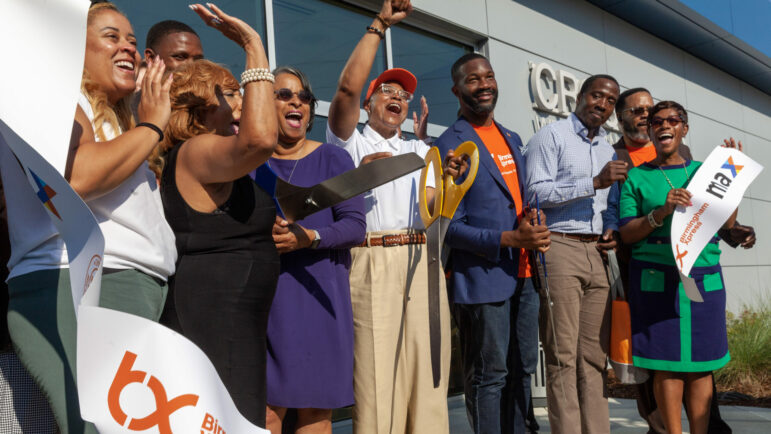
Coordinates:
194 91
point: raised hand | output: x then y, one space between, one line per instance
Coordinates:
394 11
730 143
614 171
155 105
233 28
420 125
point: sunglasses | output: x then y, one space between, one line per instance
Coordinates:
672 120
388 90
285 94
637 111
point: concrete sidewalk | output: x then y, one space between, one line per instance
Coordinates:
624 418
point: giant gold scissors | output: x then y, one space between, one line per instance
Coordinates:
447 197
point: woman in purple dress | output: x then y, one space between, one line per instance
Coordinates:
310 327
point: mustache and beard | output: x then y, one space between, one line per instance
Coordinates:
479 107
635 130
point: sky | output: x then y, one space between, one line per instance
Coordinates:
748 20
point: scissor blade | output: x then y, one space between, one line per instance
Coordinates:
433 249
299 202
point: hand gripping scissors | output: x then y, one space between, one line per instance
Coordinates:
447 196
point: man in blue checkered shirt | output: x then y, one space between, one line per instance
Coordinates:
571 173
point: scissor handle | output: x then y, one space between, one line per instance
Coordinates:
453 193
432 158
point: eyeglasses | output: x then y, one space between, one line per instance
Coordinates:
672 120
637 111
285 94
389 90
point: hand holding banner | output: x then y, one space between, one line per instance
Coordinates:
717 189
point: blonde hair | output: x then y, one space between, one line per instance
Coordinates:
118 116
193 93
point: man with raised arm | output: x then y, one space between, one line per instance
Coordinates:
572 172
393 381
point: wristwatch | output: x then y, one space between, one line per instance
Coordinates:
316 240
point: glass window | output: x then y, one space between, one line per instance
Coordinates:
429 57
318 37
319 130
144 13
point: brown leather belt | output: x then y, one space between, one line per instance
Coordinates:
394 240
584 238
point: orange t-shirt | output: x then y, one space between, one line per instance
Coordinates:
641 155
501 154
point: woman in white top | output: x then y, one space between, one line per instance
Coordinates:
107 167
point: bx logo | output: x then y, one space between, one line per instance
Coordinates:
164 407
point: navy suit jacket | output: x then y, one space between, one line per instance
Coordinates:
482 271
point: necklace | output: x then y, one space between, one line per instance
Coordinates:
667 178
298 153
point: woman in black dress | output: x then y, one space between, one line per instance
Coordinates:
228 265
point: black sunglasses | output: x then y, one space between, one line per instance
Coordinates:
672 120
637 111
285 94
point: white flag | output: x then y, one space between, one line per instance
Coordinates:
717 189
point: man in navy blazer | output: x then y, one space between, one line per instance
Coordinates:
496 310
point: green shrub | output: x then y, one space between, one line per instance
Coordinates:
749 341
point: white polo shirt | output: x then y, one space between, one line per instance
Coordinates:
394 205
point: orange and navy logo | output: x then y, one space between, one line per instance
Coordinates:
45 194
734 168
164 407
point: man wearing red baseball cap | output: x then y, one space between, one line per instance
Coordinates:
393 383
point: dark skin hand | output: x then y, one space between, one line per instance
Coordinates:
528 235
613 171
744 235
608 241
289 237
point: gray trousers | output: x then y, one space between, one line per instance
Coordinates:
575 392
43 328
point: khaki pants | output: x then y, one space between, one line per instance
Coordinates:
576 394
393 384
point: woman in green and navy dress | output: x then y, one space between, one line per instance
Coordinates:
681 342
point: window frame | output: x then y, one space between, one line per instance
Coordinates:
419 20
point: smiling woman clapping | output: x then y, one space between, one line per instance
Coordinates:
107 167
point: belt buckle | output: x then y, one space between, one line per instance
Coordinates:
394 240
586 238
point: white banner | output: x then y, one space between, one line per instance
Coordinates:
29 89
147 377
134 375
717 189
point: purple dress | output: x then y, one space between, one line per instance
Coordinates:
310 327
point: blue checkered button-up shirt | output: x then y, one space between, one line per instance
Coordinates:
561 162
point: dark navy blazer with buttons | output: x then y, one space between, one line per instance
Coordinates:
483 271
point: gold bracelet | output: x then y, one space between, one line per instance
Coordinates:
256 74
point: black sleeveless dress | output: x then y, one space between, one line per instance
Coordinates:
227 270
